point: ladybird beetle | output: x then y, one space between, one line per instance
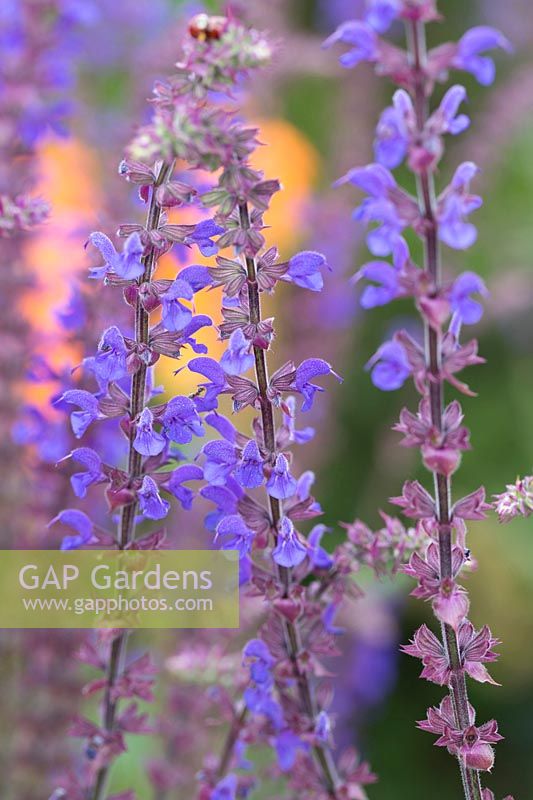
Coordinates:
204 27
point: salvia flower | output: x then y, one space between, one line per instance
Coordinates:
390 367
126 265
289 551
281 483
304 269
180 420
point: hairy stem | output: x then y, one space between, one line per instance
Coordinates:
126 526
322 753
427 201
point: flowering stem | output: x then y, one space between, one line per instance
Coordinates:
427 201
126 527
322 752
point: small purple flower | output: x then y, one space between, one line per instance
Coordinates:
87 402
237 358
311 368
300 437
148 442
110 361
392 136
390 367
80 522
259 660
471 45
323 727
319 557
216 376
281 483
203 235
174 485
220 460
386 204
181 421
305 270
235 535
249 472
289 552
226 789
197 276
81 481
388 284
287 745
151 504
445 118
328 618
225 501
381 14
127 265
73 315
175 316
455 204
469 310
361 37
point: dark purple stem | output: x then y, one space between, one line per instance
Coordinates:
427 201
126 527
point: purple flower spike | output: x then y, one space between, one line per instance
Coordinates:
289 552
181 421
202 236
175 316
226 789
237 358
127 265
281 483
471 45
305 270
390 367
87 402
80 522
147 441
151 504
308 369
361 37
235 535
469 310
249 472
455 204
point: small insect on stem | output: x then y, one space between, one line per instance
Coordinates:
204 27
